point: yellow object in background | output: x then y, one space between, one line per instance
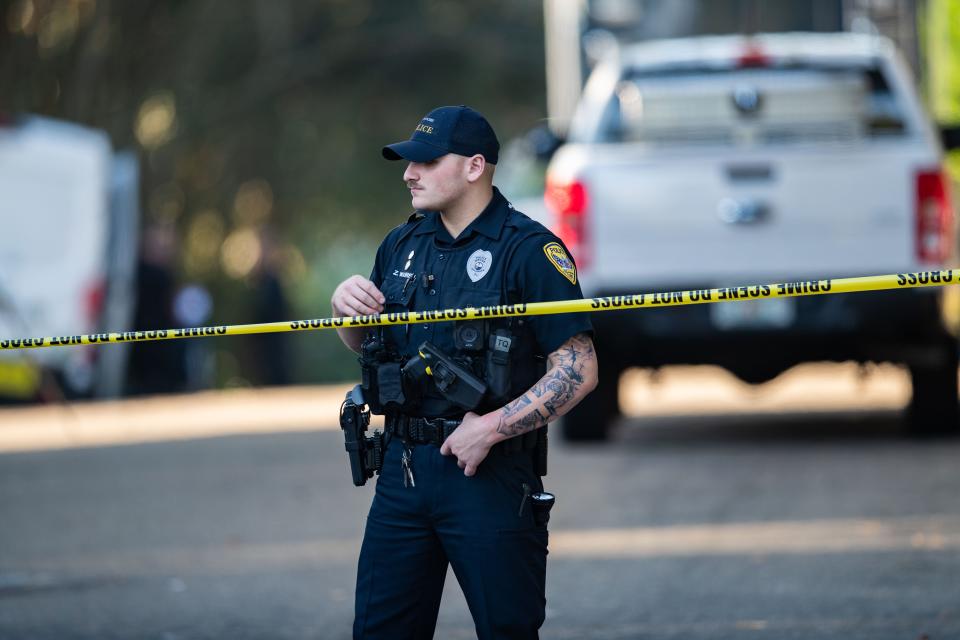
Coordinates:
18 379
943 68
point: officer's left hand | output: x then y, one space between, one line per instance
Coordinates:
470 442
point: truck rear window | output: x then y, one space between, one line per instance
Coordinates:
753 106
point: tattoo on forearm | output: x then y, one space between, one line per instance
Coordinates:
553 392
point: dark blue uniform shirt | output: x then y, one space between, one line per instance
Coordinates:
502 257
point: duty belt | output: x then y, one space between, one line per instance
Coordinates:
421 430
435 430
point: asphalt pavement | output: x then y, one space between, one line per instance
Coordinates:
773 524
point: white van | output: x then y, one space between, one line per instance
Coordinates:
68 222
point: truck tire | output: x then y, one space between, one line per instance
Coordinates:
591 419
933 407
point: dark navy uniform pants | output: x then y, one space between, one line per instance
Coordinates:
497 551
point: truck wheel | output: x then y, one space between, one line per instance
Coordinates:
591 419
933 408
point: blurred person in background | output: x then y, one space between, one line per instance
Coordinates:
193 307
270 351
156 367
463 487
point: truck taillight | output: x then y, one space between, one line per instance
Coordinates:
567 201
934 217
753 55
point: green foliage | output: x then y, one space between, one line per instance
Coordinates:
943 58
296 95
942 40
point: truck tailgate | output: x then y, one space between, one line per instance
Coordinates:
798 213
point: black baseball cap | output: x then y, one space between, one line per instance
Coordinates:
444 130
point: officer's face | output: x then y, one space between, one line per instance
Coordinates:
436 185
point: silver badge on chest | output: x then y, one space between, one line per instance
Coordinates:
478 264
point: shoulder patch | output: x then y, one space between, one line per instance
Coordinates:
558 258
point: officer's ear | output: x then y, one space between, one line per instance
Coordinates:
475 167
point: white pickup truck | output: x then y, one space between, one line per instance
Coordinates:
722 161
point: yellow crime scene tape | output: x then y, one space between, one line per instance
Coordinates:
609 303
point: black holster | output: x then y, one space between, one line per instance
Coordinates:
365 452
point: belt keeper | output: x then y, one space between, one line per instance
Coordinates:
430 432
448 427
399 425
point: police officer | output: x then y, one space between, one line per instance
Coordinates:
460 491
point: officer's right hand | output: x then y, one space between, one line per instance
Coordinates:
357 296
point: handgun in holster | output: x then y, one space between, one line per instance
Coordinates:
454 381
365 452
